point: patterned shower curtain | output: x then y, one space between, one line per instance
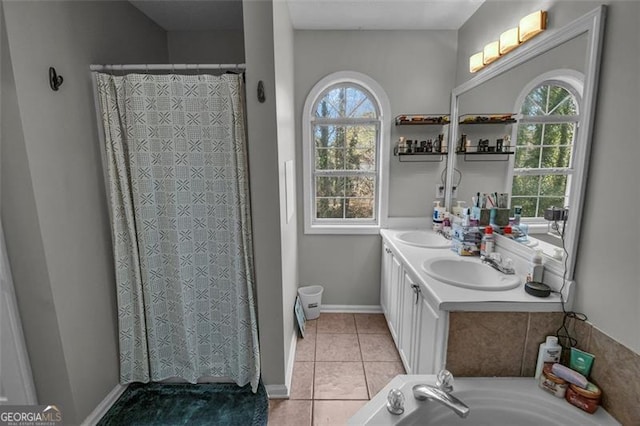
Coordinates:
179 199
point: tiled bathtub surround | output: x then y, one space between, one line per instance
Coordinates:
506 344
343 361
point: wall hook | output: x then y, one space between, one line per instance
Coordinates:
261 95
55 80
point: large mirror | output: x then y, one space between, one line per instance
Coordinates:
540 155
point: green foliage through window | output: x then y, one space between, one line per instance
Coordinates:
345 137
544 148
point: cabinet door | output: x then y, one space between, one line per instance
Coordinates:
395 298
385 274
407 323
426 338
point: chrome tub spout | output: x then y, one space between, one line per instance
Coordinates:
431 393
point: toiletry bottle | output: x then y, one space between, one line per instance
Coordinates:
438 216
457 209
549 351
486 245
508 232
466 216
402 146
446 224
517 212
536 268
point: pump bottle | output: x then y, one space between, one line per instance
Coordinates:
438 216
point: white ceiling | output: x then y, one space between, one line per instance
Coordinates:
202 15
381 14
193 15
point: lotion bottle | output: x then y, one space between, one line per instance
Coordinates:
438 216
549 351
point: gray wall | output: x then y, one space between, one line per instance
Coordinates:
206 47
264 169
53 202
607 269
285 110
416 69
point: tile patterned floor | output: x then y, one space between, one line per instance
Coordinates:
343 361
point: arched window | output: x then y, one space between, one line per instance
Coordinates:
544 149
343 129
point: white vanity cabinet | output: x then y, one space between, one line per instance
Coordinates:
417 328
390 289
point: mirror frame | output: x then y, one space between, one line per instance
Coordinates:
591 24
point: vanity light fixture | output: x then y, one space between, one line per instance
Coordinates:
532 25
491 52
509 40
476 62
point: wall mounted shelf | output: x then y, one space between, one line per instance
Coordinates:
417 157
487 119
486 156
422 119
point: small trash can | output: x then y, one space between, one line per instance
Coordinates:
311 298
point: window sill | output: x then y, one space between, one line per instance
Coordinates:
343 229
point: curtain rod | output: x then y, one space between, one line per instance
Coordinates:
166 67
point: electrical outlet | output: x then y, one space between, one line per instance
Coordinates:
454 192
439 191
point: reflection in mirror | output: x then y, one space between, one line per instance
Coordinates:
544 95
540 158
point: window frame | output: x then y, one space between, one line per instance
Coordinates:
572 81
346 226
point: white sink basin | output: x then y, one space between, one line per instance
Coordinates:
427 239
468 274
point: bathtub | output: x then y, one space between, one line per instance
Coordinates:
492 401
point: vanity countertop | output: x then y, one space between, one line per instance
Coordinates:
451 298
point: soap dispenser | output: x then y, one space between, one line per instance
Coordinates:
457 209
438 216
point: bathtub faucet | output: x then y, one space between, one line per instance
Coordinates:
441 393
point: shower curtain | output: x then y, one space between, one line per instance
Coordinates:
178 187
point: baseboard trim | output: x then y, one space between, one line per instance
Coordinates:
352 309
277 391
288 376
103 407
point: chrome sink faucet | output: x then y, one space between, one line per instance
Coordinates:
441 393
496 262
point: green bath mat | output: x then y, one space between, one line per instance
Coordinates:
187 404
